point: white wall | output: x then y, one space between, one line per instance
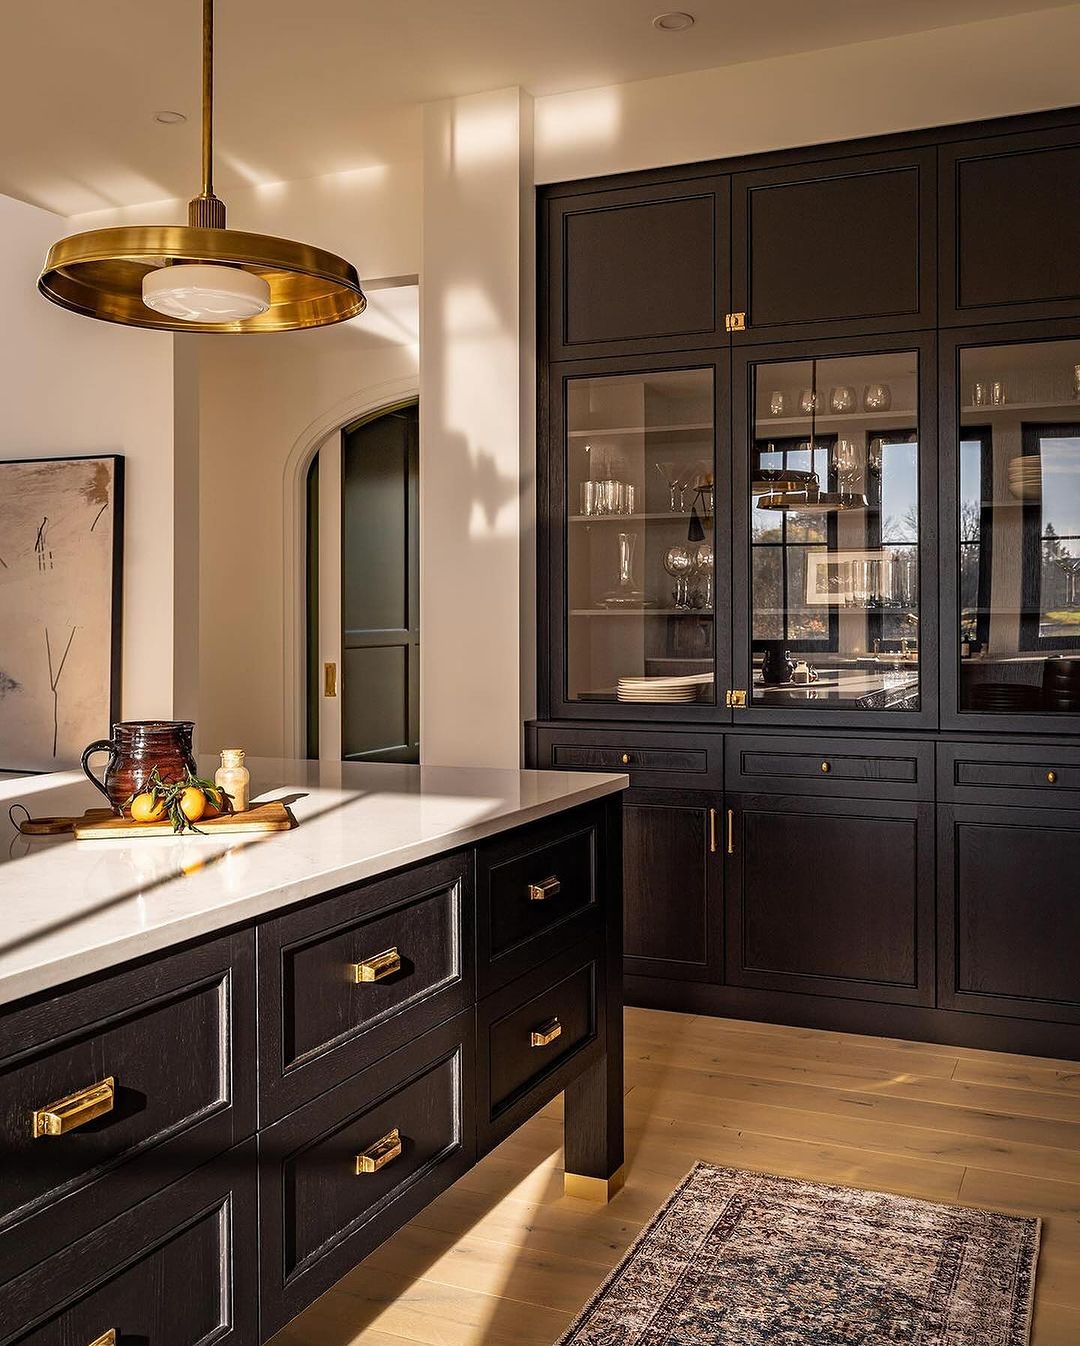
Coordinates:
263 399
69 385
970 72
476 410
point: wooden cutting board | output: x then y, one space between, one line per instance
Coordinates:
271 817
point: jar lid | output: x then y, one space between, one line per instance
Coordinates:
232 757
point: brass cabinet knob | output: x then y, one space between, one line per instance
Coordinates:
540 1037
826 767
549 887
1051 777
67 1114
625 759
383 1152
382 965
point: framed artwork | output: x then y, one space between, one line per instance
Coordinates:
61 552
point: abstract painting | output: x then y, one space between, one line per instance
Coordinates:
61 538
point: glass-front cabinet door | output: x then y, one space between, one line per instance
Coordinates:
830 612
1012 620
641 565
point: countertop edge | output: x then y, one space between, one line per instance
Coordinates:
31 982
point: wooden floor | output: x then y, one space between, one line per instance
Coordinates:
504 1259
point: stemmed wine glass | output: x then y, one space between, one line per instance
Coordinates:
703 565
670 473
679 563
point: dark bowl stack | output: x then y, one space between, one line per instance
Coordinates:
1005 698
1061 684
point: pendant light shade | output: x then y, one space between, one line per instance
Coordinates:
201 277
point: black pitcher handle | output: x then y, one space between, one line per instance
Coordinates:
99 745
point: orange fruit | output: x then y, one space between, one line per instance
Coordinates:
193 804
147 808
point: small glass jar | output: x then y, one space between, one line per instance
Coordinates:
233 778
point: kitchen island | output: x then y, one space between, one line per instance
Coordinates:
230 1066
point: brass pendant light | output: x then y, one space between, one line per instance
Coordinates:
200 277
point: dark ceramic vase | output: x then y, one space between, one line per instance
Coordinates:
776 665
135 749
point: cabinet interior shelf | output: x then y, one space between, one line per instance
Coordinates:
641 612
896 419
696 429
665 516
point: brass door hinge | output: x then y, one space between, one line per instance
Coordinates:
735 700
734 322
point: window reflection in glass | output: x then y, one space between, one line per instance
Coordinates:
640 574
1019 528
834 533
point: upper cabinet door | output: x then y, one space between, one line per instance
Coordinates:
638 270
840 246
1010 228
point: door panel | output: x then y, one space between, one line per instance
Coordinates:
1009 925
838 244
673 899
642 269
831 897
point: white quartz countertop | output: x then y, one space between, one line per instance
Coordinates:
69 908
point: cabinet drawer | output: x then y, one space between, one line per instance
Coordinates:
1044 775
536 888
177 1270
331 1007
878 768
330 1192
678 761
154 1068
531 1035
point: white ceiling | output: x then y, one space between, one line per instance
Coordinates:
307 87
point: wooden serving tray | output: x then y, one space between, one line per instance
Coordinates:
271 817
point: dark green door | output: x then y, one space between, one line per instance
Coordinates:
380 588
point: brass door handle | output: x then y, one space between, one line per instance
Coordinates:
540 1037
106 1338
731 831
66 1114
383 1152
549 887
382 965
712 831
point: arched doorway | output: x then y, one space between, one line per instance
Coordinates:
363 591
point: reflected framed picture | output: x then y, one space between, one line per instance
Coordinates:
61 563
848 578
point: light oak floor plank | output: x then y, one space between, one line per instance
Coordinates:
503 1258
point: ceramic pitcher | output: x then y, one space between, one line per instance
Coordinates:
135 749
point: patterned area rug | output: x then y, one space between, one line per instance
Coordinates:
747 1259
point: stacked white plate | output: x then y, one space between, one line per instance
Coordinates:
1025 477
665 690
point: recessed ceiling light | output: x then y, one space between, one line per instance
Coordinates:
167 118
674 22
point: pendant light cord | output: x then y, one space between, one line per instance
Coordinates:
208 99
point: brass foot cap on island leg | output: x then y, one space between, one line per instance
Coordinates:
593 1189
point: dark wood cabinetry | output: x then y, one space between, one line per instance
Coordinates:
792 280
888 537
196 1190
644 269
831 897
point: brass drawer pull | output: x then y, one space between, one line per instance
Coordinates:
826 767
546 1033
383 1152
106 1338
382 965
1051 777
549 887
66 1114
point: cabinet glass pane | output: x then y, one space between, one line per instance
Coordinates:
1019 528
639 564
834 533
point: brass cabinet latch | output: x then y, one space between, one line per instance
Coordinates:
383 1152
734 322
735 700
540 1037
66 1114
381 965
549 887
